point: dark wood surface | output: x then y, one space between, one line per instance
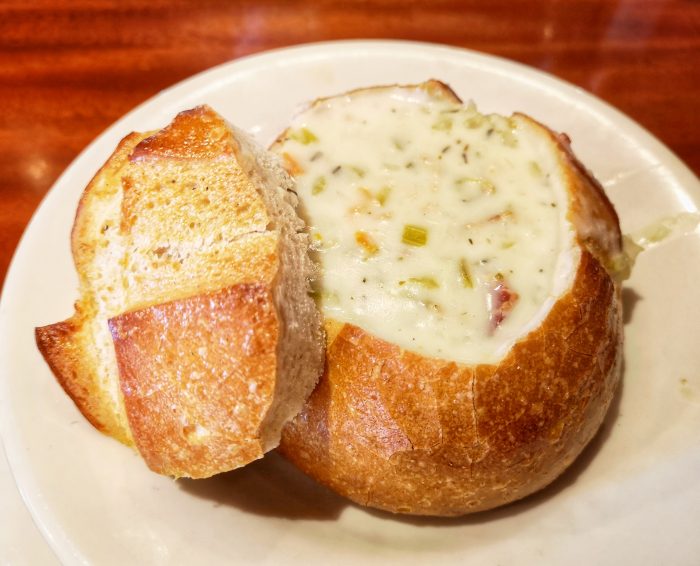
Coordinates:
69 68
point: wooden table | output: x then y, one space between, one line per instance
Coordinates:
69 68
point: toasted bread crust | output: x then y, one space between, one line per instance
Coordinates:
195 134
406 433
179 344
198 376
60 344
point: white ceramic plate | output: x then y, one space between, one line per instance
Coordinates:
632 498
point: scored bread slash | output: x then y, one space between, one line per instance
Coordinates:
474 352
194 337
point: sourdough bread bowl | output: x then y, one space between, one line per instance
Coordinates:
470 284
194 338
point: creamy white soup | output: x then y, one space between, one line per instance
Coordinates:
437 228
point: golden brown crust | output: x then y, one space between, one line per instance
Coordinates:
405 433
398 431
61 346
178 337
199 133
197 375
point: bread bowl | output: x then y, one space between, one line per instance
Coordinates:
470 283
194 338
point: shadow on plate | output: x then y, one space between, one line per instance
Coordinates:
270 487
630 298
273 487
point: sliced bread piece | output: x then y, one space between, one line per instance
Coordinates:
194 337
